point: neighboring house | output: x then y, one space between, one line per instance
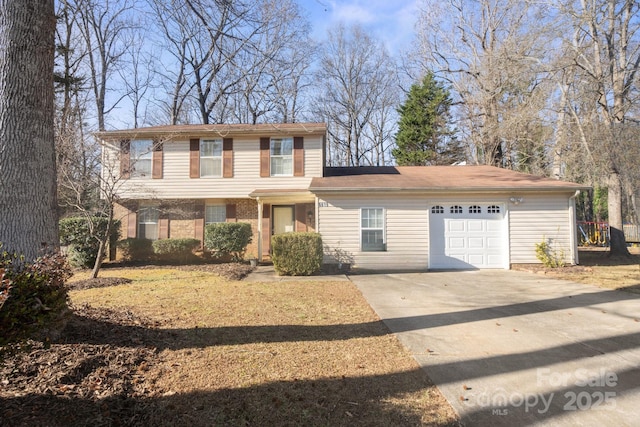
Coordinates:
173 180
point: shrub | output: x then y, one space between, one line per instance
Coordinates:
549 257
34 294
136 249
83 235
175 249
297 254
228 239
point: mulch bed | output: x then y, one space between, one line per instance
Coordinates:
94 373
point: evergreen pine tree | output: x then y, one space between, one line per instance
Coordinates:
425 135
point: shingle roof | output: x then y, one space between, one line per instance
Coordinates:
217 130
434 178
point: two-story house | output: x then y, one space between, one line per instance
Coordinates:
173 180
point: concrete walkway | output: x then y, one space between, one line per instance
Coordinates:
266 273
511 348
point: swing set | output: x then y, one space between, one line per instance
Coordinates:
597 233
593 233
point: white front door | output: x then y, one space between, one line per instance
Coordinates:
464 235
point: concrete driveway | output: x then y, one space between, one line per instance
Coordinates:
510 348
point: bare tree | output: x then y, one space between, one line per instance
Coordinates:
605 50
494 58
27 159
356 77
106 26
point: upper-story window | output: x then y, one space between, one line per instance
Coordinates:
281 156
141 157
211 157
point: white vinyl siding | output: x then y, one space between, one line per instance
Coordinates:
406 231
211 157
176 183
538 218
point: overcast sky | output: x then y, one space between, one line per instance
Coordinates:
390 21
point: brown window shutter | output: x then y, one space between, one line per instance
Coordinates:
194 158
298 156
125 159
265 149
227 158
156 172
301 217
132 225
163 228
231 213
266 229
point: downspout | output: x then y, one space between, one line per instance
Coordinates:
574 226
259 228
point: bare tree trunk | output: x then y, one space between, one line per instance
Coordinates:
28 221
618 244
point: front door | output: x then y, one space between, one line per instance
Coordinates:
283 219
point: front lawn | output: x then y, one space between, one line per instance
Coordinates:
597 268
176 347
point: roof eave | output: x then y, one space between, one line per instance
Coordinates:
214 129
318 190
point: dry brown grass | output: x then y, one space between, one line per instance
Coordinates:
597 268
282 353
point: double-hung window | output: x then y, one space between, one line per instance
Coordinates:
215 213
211 157
372 229
281 156
148 222
141 158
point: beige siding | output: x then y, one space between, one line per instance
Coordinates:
176 183
407 235
406 223
540 217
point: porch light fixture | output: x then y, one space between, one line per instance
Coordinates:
516 200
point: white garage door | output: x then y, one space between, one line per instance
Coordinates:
467 236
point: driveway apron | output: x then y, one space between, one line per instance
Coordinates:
510 348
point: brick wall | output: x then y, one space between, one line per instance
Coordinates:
247 211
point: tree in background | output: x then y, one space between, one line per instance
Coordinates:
356 85
27 157
495 60
425 135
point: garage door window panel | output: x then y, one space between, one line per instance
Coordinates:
372 230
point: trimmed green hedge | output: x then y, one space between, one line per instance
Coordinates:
297 254
136 249
82 235
175 249
228 239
